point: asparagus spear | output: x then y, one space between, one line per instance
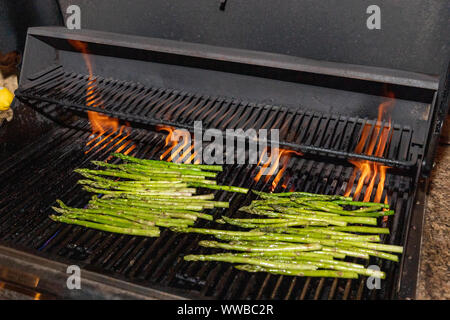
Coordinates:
258 224
361 229
379 254
149 205
314 273
302 211
150 198
341 267
361 204
217 232
217 187
322 262
299 194
121 174
288 254
247 260
117 185
255 247
323 234
148 232
321 219
114 221
182 203
156 169
348 251
334 220
186 191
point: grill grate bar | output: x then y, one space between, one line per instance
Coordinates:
153 106
159 261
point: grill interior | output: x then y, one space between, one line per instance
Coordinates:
46 171
42 172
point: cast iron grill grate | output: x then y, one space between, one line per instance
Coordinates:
312 133
32 180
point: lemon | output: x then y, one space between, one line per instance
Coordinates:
6 98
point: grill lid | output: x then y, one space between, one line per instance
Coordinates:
412 37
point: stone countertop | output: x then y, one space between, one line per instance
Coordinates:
434 276
6 294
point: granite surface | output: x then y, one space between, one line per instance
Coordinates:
6 294
434 276
9 83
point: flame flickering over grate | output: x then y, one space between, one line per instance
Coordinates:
180 148
178 151
271 165
374 140
105 130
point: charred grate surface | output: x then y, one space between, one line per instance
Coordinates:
327 135
33 179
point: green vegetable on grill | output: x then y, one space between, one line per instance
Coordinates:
302 234
289 233
138 196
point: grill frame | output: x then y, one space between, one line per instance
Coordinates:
38 43
47 278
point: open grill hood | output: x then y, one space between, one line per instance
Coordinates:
320 108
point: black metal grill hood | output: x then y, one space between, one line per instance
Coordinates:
413 34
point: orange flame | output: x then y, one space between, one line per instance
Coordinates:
281 154
100 123
286 182
370 171
178 150
181 151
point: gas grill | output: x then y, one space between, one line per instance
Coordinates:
320 108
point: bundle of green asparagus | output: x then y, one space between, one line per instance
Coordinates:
303 234
139 196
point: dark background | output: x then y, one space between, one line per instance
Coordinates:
17 15
413 35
